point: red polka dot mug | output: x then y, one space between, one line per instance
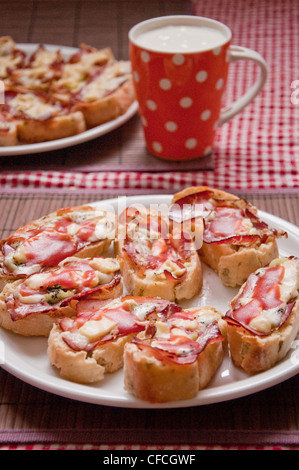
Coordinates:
180 66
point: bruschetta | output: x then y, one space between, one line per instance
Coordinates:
39 118
106 95
74 72
90 345
154 260
81 231
236 241
51 94
29 307
263 319
11 57
175 357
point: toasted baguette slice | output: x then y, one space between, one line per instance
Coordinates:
8 131
106 96
11 57
81 231
174 359
30 307
73 74
87 347
155 261
263 319
235 241
39 117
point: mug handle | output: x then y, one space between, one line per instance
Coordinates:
238 53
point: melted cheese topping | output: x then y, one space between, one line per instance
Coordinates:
104 224
289 289
44 57
32 106
8 62
96 329
73 76
111 78
14 259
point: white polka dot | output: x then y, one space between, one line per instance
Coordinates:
217 50
143 121
171 126
191 143
151 105
165 84
208 150
201 76
145 57
186 102
219 84
157 147
178 59
205 115
136 76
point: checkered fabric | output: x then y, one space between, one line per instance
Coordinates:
258 150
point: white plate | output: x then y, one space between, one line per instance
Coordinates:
26 358
85 136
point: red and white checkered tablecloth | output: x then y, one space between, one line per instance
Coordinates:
256 151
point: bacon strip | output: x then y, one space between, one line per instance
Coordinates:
264 292
127 321
223 219
171 350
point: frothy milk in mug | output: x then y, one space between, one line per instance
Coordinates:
181 38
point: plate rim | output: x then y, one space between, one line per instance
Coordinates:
66 142
249 385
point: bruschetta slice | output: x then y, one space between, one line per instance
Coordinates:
154 260
263 319
175 357
236 241
30 307
11 57
38 72
41 118
90 345
106 95
81 231
73 74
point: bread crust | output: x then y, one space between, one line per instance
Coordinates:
256 354
106 109
158 381
234 267
151 284
155 287
32 131
83 367
35 324
99 354
8 134
233 264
